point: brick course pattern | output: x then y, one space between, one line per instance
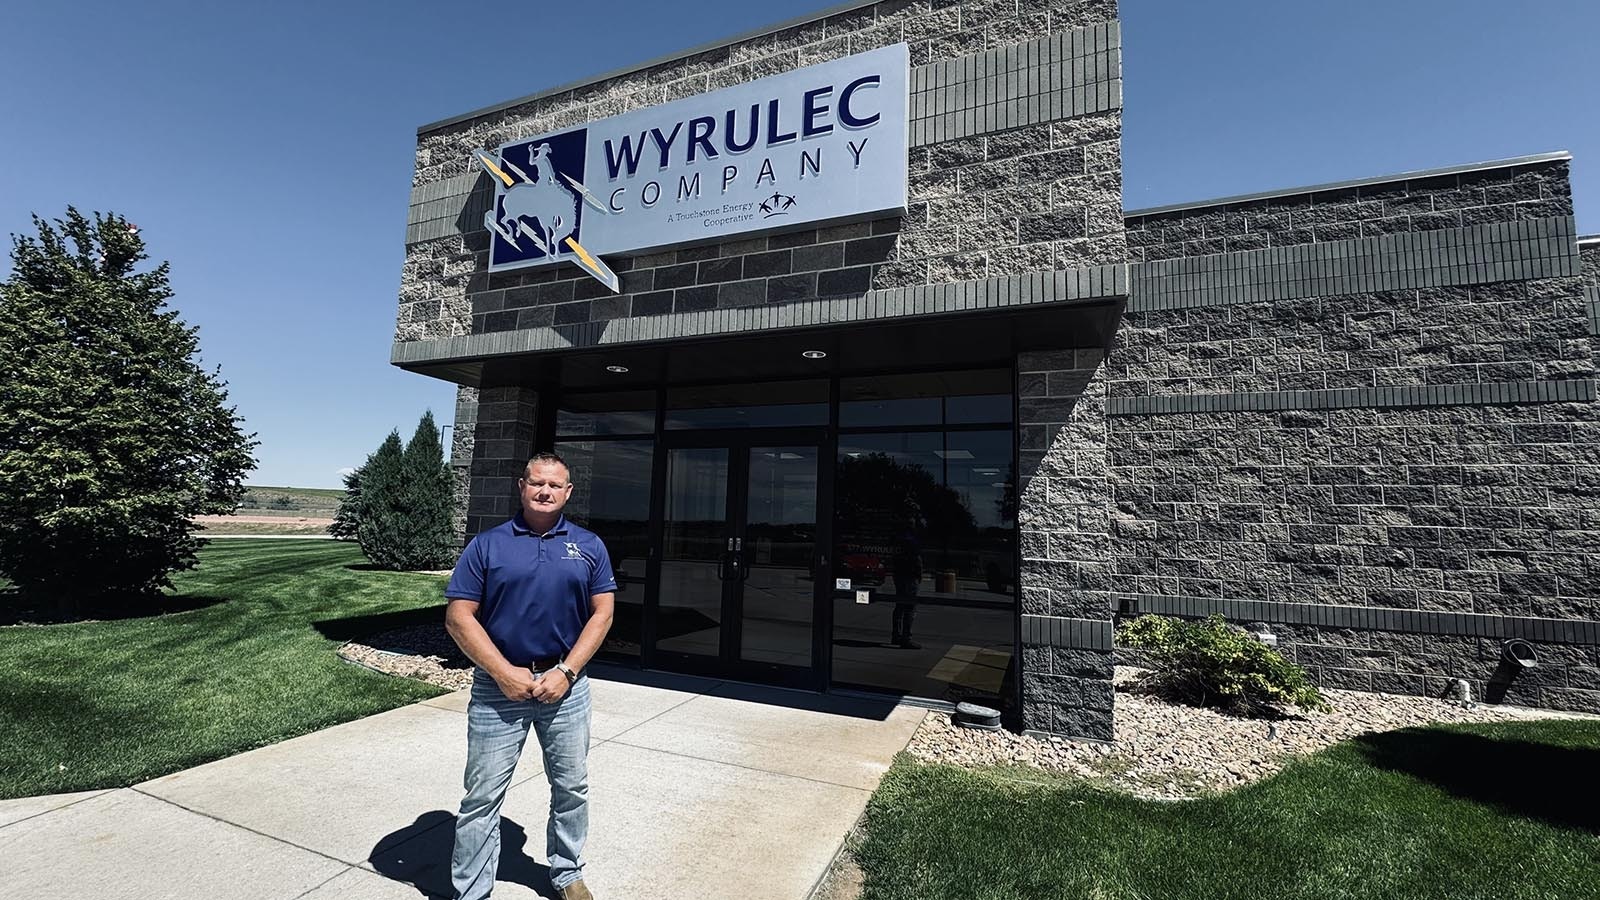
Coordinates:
1535 191
1427 488
1063 529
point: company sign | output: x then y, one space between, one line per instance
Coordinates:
820 144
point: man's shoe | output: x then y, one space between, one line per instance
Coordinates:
575 891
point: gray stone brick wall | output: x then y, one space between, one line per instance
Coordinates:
1516 193
1063 528
463 438
502 441
1438 502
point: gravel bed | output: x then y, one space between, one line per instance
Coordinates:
1165 751
424 652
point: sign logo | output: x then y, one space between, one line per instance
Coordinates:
776 205
818 145
537 218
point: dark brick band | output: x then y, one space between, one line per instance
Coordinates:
1399 397
1059 76
1370 618
1056 631
1480 254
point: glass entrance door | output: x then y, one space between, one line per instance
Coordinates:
737 592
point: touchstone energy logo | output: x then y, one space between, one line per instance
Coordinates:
818 145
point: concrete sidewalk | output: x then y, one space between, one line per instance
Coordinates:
698 788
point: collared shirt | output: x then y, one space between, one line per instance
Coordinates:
535 588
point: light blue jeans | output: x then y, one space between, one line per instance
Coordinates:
497 728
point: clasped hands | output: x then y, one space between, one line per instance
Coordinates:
520 683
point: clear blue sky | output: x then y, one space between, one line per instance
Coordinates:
266 149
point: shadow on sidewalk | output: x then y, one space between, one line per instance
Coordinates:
419 855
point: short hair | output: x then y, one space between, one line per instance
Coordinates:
545 456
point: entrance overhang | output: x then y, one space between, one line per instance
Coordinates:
970 339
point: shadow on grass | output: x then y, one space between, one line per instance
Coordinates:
419 855
17 608
352 628
374 567
1536 781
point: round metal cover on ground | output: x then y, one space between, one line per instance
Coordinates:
972 715
994 726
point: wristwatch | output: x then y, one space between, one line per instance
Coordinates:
563 668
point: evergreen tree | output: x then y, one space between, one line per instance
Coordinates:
347 518
405 507
428 499
112 436
378 518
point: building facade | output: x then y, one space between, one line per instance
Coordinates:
936 452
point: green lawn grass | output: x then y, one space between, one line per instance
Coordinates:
251 662
1489 811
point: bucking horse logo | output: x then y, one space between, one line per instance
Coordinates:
543 203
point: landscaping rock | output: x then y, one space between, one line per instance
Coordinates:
1169 752
424 652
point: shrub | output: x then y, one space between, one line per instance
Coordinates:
1212 663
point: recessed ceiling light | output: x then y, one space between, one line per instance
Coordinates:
814 354
617 370
953 454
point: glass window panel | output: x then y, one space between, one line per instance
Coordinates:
905 411
611 497
924 520
955 653
930 398
979 409
779 552
748 405
694 531
611 412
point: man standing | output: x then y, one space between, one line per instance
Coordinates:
529 603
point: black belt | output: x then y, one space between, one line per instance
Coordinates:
544 663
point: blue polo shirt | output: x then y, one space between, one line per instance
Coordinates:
535 588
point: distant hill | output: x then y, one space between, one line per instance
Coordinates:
261 500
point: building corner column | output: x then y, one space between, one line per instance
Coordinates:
502 437
1063 521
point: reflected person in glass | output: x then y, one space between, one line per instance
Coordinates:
907 568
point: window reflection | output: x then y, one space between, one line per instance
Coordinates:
924 522
611 497
932 398
612 412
